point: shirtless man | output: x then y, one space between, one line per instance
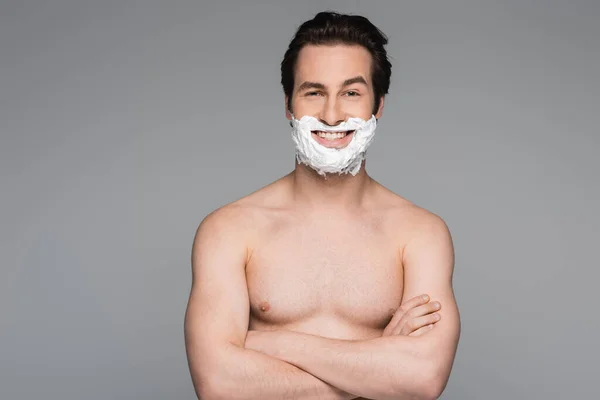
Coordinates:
312 287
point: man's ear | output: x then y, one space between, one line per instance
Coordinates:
288 112
380 109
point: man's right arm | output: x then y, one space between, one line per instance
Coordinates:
216 324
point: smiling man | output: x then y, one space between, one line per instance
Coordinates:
324 284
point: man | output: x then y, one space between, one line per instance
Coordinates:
316 285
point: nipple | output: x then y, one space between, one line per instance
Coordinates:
264 306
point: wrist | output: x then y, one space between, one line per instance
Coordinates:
274 343
265 342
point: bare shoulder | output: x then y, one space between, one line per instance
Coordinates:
426 249
232 223
408 220
231 219
220 240
241 222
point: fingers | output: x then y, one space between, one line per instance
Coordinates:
403 309
425 309
421 330
413 315
416 323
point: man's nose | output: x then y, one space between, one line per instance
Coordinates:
332 114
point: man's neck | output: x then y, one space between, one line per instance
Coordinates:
333 190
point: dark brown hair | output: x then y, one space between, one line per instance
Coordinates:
329 28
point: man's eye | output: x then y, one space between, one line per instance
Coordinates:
352 93
312 93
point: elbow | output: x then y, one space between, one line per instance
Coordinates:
432 384
431 390
206 393
204 387
428 385
214 379
212 385
211 388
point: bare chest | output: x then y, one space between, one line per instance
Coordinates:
349 273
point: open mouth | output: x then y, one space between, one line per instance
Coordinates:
332 139
332 135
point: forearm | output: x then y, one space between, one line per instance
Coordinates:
393 367
248 374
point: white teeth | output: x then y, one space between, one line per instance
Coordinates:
330 135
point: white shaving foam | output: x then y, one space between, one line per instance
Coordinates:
327 160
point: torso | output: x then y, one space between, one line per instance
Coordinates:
337 275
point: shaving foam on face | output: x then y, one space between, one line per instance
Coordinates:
327 160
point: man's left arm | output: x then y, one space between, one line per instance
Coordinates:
388 367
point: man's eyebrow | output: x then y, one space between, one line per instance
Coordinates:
316 85
352 81
311 85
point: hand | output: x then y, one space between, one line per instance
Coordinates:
266 343
258 341
414 318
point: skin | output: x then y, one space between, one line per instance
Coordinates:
311 287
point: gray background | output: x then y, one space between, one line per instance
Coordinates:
123 123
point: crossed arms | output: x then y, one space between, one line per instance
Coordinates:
228 362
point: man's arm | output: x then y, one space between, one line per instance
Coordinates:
389 367
216 324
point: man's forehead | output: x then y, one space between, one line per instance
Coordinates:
333 65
